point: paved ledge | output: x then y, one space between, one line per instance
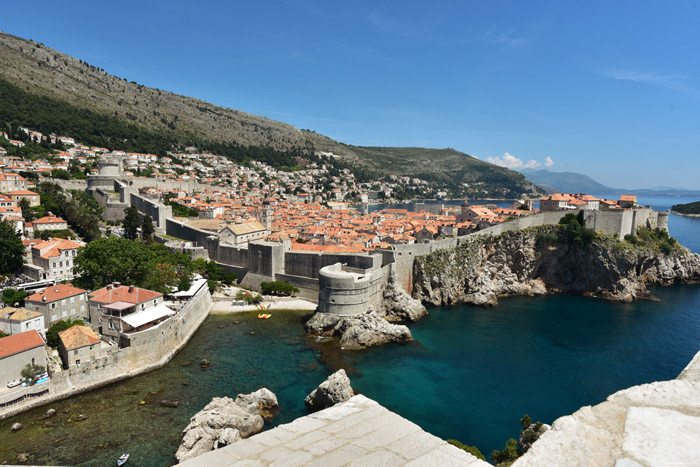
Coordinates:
646 425
359 432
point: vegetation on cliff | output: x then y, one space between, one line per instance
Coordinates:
11 249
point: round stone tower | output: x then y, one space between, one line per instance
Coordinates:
109 166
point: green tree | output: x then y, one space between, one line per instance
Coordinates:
508 455
147 229
26 208
131 223
12 296
52 338
11 249
114 259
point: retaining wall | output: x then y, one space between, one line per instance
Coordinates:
149 349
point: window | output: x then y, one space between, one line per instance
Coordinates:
75 352
82 307
111 326
53 306
72 299
72 311
64 313
63 303
54 317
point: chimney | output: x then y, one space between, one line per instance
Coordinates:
131 289
43 299
116 284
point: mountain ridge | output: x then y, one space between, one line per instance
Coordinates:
40 70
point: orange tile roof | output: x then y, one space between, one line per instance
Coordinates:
123 293
55 292
78 336
17 343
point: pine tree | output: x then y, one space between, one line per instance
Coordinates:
147 229
131 223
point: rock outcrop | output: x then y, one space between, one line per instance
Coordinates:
358 331
397 305
330 392
223 421
544 260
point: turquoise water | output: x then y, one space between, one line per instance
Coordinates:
471 373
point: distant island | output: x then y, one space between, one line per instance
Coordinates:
689 209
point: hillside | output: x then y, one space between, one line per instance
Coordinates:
567 182
119 113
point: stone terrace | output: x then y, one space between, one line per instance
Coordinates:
359 432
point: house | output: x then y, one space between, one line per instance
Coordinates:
30 196
627 201
49 223
555 202
7 202
53 259
16 320
110 304
11 182
238 234
17 351
59 302
78 344
476 213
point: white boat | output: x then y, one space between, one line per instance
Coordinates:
122 459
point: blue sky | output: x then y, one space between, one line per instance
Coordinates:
609 89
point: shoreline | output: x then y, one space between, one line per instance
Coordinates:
300 304
695 216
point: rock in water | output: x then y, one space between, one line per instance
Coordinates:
170 403
23 457
330 392
205 363
16 427
224 420
359 331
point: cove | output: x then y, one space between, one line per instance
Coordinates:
471 373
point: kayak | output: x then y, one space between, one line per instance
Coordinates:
264 315
122 459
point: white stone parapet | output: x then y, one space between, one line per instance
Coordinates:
359 432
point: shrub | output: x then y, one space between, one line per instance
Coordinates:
278 288
508 455
526 421
473 450
249 297
632 239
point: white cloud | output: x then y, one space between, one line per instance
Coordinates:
548 162
511 162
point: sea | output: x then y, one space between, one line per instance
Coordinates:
470 374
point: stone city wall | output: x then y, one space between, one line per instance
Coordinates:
150 349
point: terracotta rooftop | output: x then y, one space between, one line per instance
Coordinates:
17 343
55 292
123 293
78 336
18 314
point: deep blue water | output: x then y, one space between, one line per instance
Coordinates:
471 374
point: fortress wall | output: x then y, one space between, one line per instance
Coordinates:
149 350
191 234
345 291
308 288
308 264
231 255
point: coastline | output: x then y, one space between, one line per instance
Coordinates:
225 307
694 216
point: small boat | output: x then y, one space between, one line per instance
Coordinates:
264 315
122 459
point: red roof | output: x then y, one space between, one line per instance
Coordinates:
55 292
123 293
17 343
78 336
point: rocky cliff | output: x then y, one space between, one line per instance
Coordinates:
545 260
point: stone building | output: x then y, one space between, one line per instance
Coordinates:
32 198
347 291
17 351
239 234
17 320
53 260
109 305
78 344
12 182
59 302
